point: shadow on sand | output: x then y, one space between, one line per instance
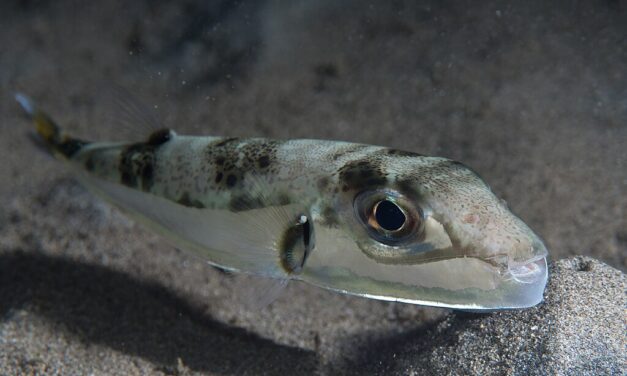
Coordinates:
107 307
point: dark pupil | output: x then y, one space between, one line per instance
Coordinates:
389 216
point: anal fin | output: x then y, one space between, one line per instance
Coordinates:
259 292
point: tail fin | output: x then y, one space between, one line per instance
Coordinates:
57 143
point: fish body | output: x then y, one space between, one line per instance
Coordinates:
358 219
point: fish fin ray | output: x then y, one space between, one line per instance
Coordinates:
134 119
260 292
49 134
246 241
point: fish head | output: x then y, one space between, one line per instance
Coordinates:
427 231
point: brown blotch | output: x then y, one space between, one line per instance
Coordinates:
233 160
147 176
405 185
231 180
70 146
470 218
263 161
366 173
323 183
257 155
358 175
283 199
137 165
330 217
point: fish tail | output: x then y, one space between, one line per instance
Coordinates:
58 143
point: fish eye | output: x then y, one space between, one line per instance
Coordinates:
387 215
389 218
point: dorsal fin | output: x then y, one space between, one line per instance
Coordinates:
133 118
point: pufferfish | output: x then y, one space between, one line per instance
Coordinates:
353 218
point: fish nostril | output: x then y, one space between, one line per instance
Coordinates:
529 271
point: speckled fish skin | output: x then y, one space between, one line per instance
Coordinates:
293 209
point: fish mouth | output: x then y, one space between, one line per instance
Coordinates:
525 280
524 283
528 272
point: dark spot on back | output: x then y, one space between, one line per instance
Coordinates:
147 176
70 146
283 199
126 167
329 216
160 137
230 162
263 161
137 165
358 175
231 180
323 183
406 186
